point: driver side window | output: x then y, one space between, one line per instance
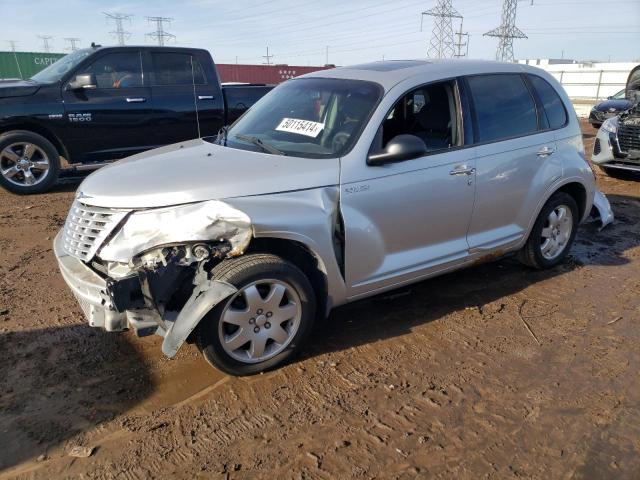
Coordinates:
430 113
117 70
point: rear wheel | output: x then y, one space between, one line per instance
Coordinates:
265 322
553 233
29 163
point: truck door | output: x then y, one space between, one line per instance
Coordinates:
180 89
114 119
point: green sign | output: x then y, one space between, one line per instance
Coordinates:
25 64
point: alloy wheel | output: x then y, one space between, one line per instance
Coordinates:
24 164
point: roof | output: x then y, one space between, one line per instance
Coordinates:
391 72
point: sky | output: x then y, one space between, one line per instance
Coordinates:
308 32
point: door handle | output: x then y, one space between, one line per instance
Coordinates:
462 171
136 99
545 151
205 97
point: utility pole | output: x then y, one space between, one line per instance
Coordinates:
119 32
160 34
45 42
267 57
326 58
460 44
506 32
73 43
442 43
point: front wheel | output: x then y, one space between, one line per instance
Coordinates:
29 163
263 324
553 233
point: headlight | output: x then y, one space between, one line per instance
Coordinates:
610 125
205 221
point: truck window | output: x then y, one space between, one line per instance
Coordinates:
117 70
177 69
503 107
428 112
553 107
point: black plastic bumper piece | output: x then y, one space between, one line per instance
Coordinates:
125 293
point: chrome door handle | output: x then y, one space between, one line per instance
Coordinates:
545 152
462 171
136 99
205 97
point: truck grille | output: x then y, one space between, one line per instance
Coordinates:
628 137
87 228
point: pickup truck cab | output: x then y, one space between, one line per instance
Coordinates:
335 186
105 103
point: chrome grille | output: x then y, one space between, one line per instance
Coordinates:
87 227
628 137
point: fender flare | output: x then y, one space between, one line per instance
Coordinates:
203 298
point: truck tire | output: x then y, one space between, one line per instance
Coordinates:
29 163
265 323
553 233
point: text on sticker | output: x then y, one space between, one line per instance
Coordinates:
301 127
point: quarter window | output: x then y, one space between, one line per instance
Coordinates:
117 70
503 107
177 69
551 102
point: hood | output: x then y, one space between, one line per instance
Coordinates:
17 88
618 105
196 171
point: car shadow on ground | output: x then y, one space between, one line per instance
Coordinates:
58 382
395 313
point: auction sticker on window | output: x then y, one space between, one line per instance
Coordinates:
301 127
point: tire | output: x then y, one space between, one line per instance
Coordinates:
264 274
544 236
27 170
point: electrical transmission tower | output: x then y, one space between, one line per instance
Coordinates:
12 45
73 43
268 57
160 34
442 43
119 32
45 42
506 32
459 44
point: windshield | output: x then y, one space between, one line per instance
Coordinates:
307 117
619 95
55 71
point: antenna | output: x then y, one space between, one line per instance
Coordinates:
119 32
506 32
460 44
160 34
45 42
73 43
441 44
267 57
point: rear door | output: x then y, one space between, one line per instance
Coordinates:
516 159
115 119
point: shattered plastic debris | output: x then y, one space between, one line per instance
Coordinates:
79 451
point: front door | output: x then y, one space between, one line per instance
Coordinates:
113 120
409 219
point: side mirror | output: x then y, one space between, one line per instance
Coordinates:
399 148
83 81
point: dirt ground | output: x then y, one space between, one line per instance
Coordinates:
441 380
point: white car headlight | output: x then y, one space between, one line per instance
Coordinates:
610 125
212 220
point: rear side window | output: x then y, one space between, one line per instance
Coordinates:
503 107
176 69
551 102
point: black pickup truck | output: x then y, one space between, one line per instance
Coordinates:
104 103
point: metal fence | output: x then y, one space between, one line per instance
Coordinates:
592 84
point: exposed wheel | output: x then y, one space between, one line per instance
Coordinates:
29 163
552 234
265 323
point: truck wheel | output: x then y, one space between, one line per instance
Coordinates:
29 163
265 323
553 233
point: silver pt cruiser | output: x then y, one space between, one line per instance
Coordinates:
336 186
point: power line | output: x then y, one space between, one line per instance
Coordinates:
73 43
506 32
442 43
119 32
160 34
45 42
